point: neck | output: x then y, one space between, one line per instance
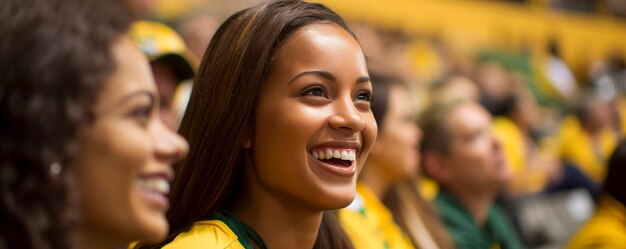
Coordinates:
95 240
374 179
477 203
280 224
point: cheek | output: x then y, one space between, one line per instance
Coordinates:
406 137
480 155
109 164
283 130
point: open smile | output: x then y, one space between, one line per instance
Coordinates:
336 160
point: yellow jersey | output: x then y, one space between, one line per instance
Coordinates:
206 234
606 229
370 225
578 147
225 232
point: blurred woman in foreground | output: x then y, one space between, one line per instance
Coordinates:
84 158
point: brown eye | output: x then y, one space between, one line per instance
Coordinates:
314 91
364 96
142 113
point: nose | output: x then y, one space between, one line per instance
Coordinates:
169 146
346 117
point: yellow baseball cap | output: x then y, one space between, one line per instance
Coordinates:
161 43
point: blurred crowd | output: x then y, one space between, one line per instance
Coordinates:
488 147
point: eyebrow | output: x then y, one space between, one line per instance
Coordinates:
130 96
328 76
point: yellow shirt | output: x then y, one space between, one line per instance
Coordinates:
577 147
526 178
427 187
605 230
213 234
370 225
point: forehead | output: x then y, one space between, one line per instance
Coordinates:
324 46
469 117
132 72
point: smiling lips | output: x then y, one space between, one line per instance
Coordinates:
157 185
335 156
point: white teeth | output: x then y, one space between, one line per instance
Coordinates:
158 185
162 186
336 154
345 155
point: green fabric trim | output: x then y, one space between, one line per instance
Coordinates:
244 232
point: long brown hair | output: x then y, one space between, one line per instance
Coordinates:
416 216
221 112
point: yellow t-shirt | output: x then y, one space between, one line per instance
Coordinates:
427 187
206 234
577 147
370 225
605 230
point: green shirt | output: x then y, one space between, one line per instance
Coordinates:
497 232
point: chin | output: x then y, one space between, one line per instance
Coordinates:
341 198
155 231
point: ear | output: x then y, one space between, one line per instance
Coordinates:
435 167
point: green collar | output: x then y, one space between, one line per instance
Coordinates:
245 233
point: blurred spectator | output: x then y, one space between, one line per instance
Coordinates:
405 220
461 153
531 166
618 7
393 159
609 77
587 6
495 83
139 8
172 64
586 139
558 74
197 31
607 228
455 87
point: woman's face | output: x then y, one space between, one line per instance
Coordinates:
123 168
396 148
314 127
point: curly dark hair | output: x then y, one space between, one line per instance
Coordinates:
55 58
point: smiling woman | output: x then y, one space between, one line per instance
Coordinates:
124 157
84 158
279 124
